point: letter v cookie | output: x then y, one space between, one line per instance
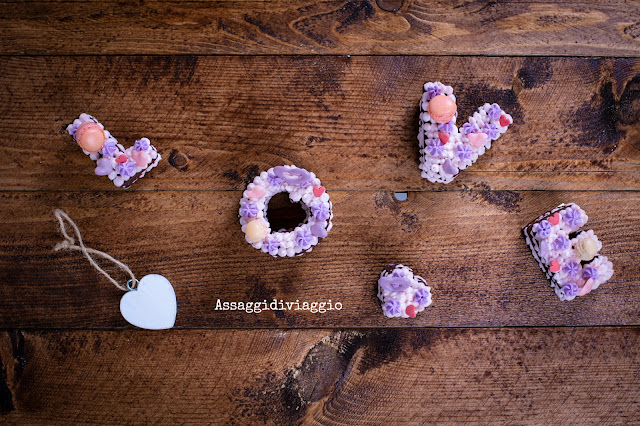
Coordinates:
445 149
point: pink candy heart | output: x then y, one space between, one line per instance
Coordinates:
318 191
555 219
555 266
256 192
411 311
140 157
477 139
504 121
104 167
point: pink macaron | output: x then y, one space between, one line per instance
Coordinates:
442 109
90 136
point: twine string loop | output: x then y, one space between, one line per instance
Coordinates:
69 243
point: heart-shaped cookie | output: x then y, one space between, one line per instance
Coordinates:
401 293
152 305
445 149
123 167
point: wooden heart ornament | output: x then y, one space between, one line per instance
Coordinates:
445 149
152 305
122 166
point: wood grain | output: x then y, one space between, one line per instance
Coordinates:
226 89
353 121
490 376
328 27
467 245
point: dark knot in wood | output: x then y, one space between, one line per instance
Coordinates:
179 160
390 5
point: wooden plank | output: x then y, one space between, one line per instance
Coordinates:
467 245
353 121
328 27
489 376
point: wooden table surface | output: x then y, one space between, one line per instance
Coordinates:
226 89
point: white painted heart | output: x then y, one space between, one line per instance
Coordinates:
152 305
